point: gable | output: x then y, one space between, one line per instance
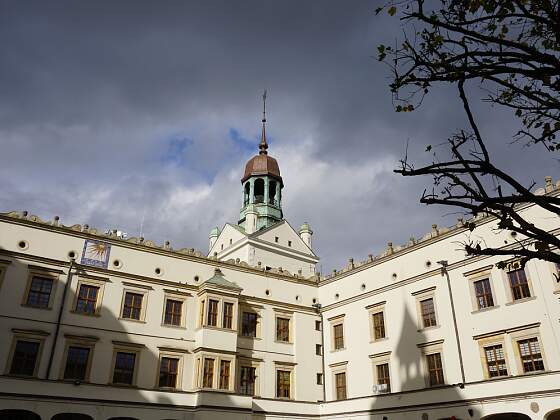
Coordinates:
287 237
228 237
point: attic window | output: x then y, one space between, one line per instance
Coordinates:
289 243
276 239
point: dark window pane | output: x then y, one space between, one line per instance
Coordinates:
428 313
124 368
87 299
282 384
495 361
39 292
531 356
24 358
247 380
435 369
76 363
519 284
173 312
249 324
132 305
168 371
483 294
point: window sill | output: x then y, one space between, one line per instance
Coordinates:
177 327
25 305
94 315
527 299
248 337
337 350
139 321
283 342
434 327
482 310
211 327
123 385
378 340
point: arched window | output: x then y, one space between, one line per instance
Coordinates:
246 194
259 191
71 416
271 192
18 415
553 415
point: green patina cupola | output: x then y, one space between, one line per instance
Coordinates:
262 188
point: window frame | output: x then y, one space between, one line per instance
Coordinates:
34 271
420 297
282 314
89 281
374 309
492 341
526 334
83 342
179 298
378 360
218 358
125 348
429 349
203 308
169 354
334 322
249 363
511 266
336 369
283 367
3 269
30 336
136 291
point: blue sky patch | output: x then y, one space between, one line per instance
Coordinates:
175 154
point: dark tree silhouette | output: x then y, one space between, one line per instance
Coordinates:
509 48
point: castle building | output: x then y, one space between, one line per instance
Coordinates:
96 326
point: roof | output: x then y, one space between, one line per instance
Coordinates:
262 164
218 280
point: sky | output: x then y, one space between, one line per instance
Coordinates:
140 116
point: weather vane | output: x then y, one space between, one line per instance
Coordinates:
264 106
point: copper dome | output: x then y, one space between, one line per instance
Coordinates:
262 164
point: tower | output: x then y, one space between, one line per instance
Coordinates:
262 187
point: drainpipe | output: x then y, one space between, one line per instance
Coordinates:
59 319
444 271
317 307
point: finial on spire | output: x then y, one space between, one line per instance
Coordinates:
263 145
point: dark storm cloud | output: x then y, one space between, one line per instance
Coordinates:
141 115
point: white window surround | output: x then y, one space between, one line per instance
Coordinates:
524 334
27 335
489 341
336 368
122 347
45 272
420 296
285 366
334 321
513 265
477 275
169 295
249 362
204 298
381 359
138 291
427 349
89 281
217 357
374 309
285 314
174 354
243 307
78 341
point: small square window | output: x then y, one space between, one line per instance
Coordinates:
318 349
318 325
39 292
132 308
86 302
319 379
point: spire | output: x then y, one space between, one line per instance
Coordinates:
263 145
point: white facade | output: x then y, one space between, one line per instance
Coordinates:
193 327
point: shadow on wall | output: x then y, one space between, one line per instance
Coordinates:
419 370
91 397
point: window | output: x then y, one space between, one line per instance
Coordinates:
168 372
123 373
483 294
224 374
283 384
340 382
319 379
283 329
208 375
77 362
378 325
132 308
495 361
39 292
519 284
212 318
201 313
383 377
530 353
289 243
318 349
428 312
317 325
173 312
86 302
435 369
24 359
338 331
227 321
247 380
249 324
